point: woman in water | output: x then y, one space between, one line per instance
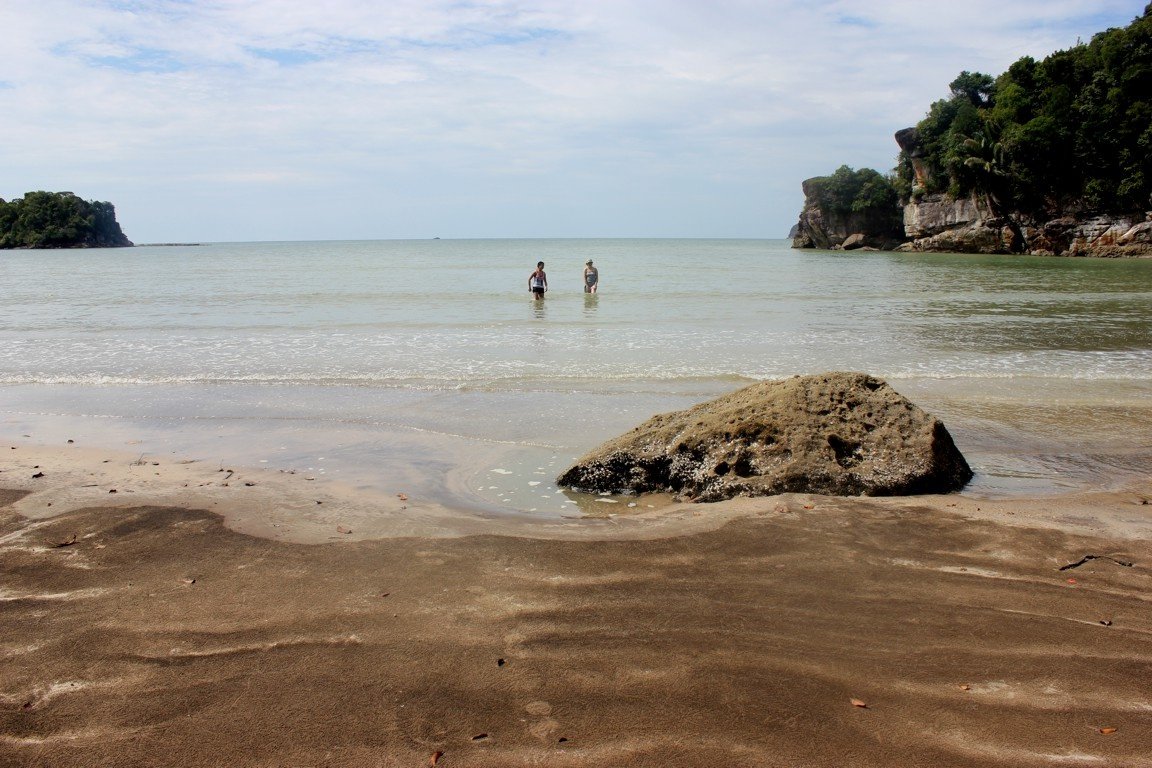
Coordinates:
538 281
591 277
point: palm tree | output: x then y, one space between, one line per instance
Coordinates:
988 163
986 159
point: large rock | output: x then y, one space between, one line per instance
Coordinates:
984 237
908 139
852 242
835 433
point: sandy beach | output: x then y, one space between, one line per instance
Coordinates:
348 466
172 612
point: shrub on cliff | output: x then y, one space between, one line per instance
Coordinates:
59 220
848 191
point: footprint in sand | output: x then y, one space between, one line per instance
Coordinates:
545 727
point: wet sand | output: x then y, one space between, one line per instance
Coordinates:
209 616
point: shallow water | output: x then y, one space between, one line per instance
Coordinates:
426 364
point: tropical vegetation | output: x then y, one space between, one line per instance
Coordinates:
854 191
1070 134
58 220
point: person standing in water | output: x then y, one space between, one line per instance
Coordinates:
591 277
538 281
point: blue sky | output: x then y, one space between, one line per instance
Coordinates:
222 120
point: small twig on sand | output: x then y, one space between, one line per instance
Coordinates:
1086 558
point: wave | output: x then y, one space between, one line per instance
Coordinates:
552 381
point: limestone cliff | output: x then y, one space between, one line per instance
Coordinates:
943 224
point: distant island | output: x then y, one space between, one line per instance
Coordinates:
1050 158
59 220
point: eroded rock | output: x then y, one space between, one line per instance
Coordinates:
842 434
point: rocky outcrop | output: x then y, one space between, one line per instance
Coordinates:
836 433
1101 236
59 220
939 223
830 230
908 139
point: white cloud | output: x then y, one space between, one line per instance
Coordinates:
490 117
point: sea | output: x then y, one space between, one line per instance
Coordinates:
426 366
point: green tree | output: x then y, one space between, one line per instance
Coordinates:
977 88
850 191
58 220
987 165
1070 132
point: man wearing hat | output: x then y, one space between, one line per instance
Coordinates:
591 277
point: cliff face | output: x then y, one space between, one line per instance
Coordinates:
1107 236
940 223
967 225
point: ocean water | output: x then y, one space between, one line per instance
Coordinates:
427 364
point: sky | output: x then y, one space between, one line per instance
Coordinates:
241 120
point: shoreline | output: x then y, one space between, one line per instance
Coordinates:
305 507
302 507
469 449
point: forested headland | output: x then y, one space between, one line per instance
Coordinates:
59 220
1013 163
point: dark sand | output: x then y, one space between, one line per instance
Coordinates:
157 636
